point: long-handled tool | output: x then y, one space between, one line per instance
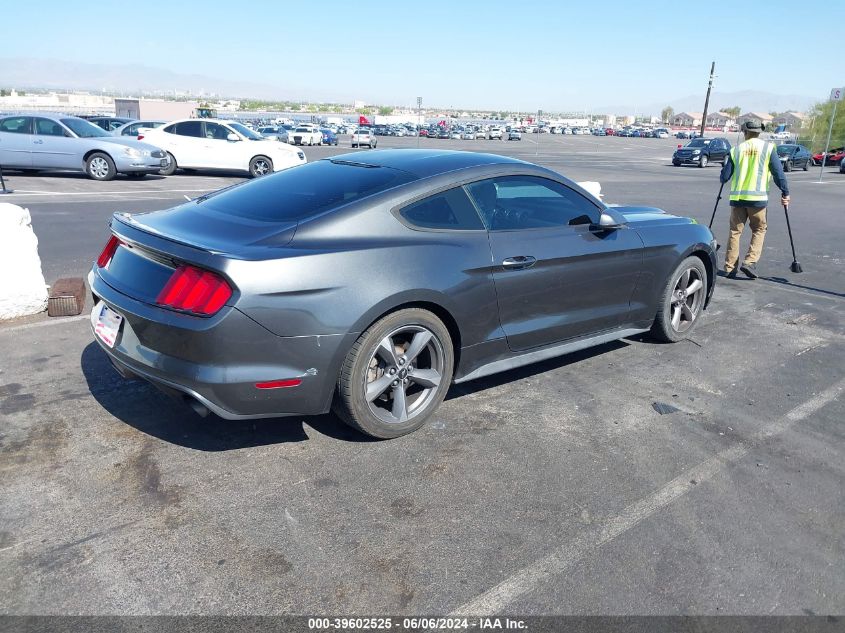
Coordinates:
3 184
715 206
795 267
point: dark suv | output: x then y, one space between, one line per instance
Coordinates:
701 151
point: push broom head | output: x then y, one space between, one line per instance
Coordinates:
796 268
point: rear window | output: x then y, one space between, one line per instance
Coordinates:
304 191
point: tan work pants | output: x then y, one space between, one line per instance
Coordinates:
756 219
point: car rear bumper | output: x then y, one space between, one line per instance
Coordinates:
218 361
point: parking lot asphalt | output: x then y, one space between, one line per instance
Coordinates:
558 488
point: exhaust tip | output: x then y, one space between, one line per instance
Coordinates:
199 408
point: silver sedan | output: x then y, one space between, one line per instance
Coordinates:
43 141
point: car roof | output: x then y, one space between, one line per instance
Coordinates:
424 163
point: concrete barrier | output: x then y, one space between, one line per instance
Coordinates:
592 187
23 290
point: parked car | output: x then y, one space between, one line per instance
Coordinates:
701 151
220 144
306 135
133 128
842 167
661 132
468 135
46 142
495 133
364 136
423 132
599 132
609 131
514 135
480 133
329 137
108 123
793 156
833 157
274 133
249 302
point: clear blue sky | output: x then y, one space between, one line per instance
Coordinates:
475 54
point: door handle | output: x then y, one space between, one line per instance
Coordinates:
38 142
518 262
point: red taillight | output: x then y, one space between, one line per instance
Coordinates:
108 252
140 137
279 384
195 290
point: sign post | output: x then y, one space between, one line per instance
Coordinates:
836 96
419 119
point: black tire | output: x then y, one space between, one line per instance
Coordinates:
366 365
787 165
100 166
807 165
134 175
374 145
354 144
260 166
171 168
676 163
664 327
702 162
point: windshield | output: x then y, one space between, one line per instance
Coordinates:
699 142
783 150
245 131
84 129
304 191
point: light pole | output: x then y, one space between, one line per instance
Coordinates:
419 119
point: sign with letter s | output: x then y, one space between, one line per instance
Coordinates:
836 94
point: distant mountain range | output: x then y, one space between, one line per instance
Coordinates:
747 100
24 72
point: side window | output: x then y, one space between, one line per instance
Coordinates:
189 128
46 127
530 202
215 131
131 130
450 209
16 125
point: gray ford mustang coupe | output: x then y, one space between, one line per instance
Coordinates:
369 282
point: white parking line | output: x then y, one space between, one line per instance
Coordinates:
105 193
529 578
56 321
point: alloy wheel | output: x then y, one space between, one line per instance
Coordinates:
261 167
687 299
403 374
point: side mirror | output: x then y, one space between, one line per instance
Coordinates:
607 222
232 137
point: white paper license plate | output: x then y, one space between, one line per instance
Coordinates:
163 162
106 323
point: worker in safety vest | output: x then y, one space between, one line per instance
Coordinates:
748 168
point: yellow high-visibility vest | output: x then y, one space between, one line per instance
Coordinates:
750 181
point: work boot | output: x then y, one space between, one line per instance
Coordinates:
730 274
750 270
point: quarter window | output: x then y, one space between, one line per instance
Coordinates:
530 202
450 209
16 125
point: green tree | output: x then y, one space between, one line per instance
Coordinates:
667 113
385 110
365 111
733 111
4 93
814 133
